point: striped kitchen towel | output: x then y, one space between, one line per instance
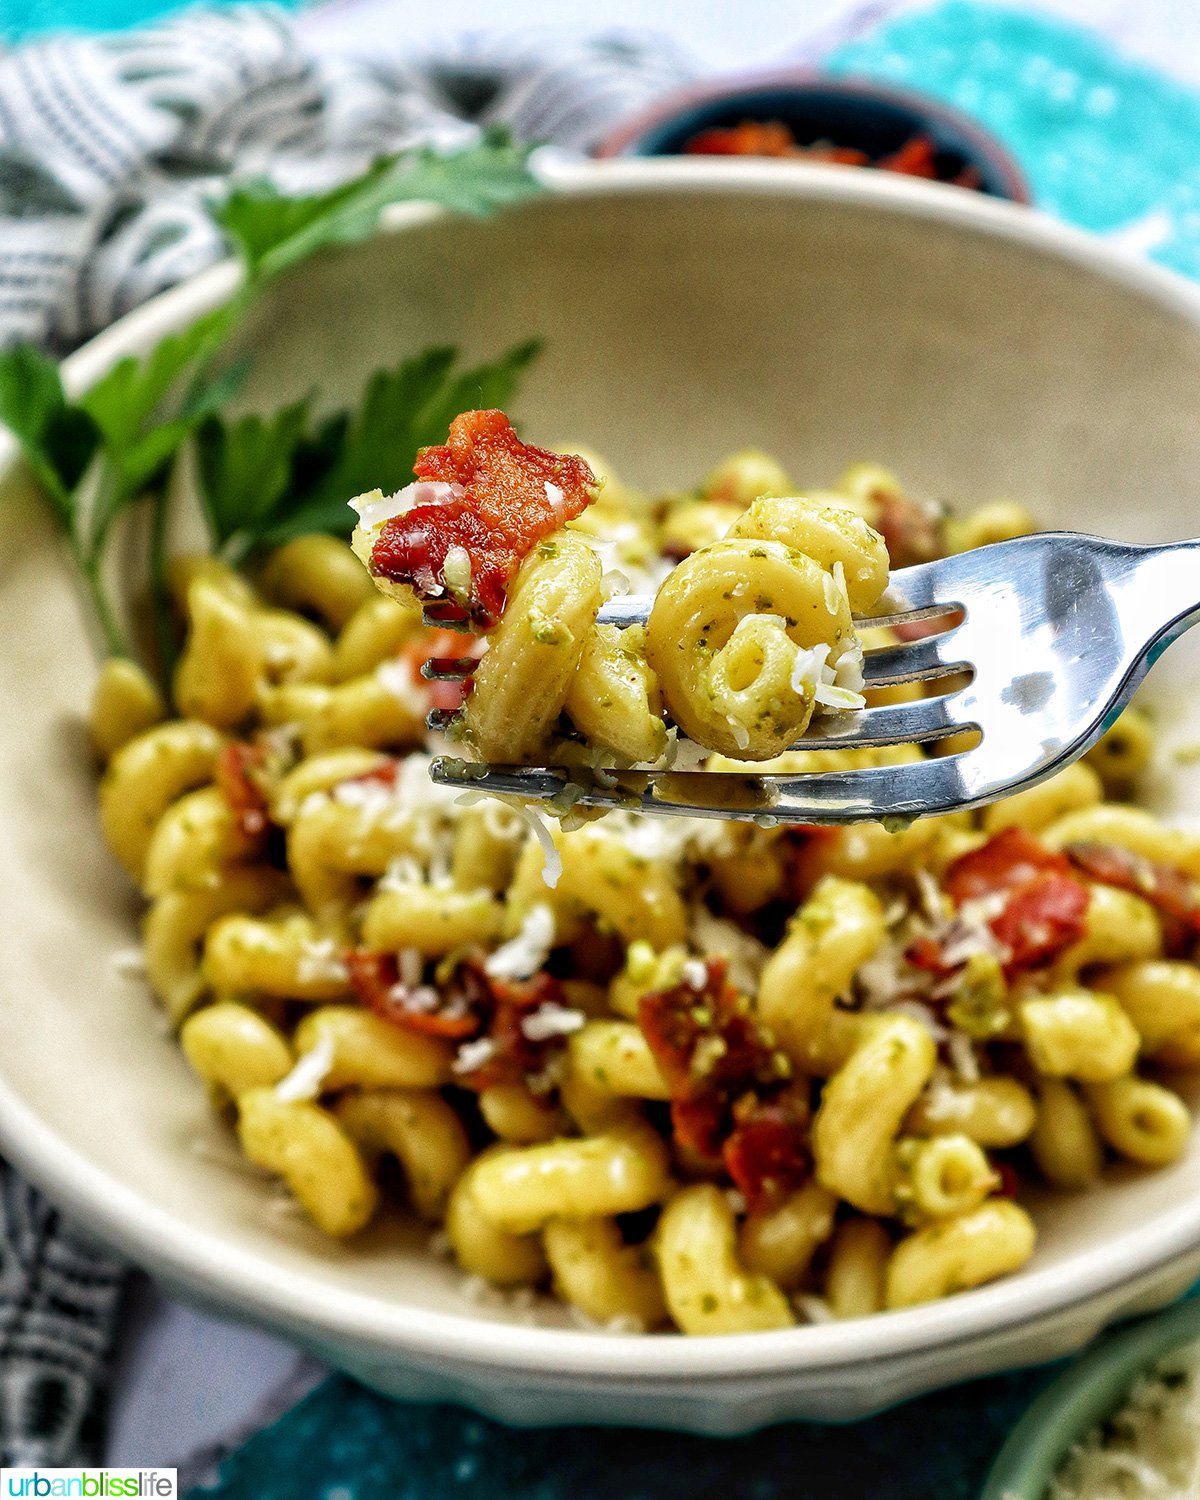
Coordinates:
110 145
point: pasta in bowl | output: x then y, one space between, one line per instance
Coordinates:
707 1077
860 307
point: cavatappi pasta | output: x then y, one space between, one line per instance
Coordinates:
677 1072
749 636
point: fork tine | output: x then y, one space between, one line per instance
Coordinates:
916 788
433 620
448 668
894 724
913 661
921 587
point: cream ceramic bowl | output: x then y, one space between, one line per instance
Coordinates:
688 307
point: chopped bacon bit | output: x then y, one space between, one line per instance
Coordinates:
471 1007
926 953
909 532
1045 911
839 156
513 495
514 1057
1041 920
731 1102
767 1153
375 979
1009 860
239 780
436 647
1169 890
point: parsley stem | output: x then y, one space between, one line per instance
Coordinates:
88 564
160 596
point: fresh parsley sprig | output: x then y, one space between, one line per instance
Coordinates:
264 478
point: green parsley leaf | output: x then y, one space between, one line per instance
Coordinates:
145 408
273 233
267 480
57 439
246 468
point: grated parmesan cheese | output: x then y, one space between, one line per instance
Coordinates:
806 669
695 974
961 1052
552 859
522 956
456 570
374 508
308 1074
813 1309
474 1054
1149 1449
320 960
717 937
550 1020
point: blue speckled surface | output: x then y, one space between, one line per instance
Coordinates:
344 1443
1107 144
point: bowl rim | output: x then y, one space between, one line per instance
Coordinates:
623 138
1087 1393
204 1264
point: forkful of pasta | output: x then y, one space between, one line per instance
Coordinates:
708 693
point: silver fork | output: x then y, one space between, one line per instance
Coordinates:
1056 632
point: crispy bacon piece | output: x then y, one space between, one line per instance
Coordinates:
472 1007
750 138
910 533
767 1153
1044 913
1040 920
1010 1182
730 1102
1169 890
513 495
1009 860
375 979
513 1057
802 846
384 774
239 779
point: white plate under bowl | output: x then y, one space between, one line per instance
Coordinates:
688 308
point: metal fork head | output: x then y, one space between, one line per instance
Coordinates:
1056 631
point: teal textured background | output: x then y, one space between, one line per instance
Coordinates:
26 18
345 1443
1105 141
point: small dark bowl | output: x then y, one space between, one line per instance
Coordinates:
867 116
